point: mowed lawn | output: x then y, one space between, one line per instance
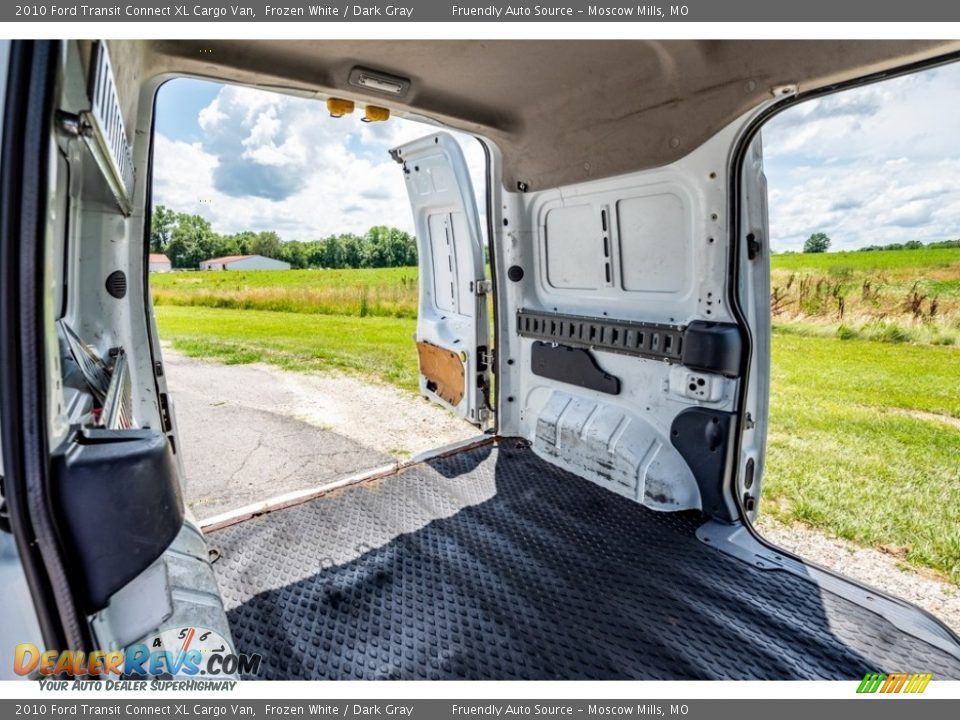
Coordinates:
864 436
865 443
381 348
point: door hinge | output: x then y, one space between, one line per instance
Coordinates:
482 287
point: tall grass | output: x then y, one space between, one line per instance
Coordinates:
390 292
870 297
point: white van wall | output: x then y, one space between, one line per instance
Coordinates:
100 241
650 247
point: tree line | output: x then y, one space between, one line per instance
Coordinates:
820 242
912 245
188 240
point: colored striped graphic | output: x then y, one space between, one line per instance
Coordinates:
895 682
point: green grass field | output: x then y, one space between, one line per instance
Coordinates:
864 435
901 263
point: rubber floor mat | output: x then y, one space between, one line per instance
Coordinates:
493 564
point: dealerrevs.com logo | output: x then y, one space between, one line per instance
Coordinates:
188 652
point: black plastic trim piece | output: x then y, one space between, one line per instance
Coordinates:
575 366
116 284
712 347
650 340
703 438
707 346
116 496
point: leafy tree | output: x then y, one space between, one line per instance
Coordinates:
295 253
225 245
352 250
243 242
161 225
912 245
817 243
334 255
388 247
265 243
192 240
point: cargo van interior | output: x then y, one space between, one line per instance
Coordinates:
599 528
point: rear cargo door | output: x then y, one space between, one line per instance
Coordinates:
452 328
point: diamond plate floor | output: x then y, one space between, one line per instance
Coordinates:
493 564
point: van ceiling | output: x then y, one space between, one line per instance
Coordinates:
561 111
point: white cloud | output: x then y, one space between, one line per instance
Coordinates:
865 203
275 162
873 165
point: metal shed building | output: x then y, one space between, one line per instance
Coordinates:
244 262
159 263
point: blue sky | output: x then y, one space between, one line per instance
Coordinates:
247 159
874 165
179 106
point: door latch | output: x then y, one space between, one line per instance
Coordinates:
484 359
4 512
482 287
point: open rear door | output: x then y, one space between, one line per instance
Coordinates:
452 327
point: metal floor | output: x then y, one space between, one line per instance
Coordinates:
493 564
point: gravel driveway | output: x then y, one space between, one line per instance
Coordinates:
251 432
